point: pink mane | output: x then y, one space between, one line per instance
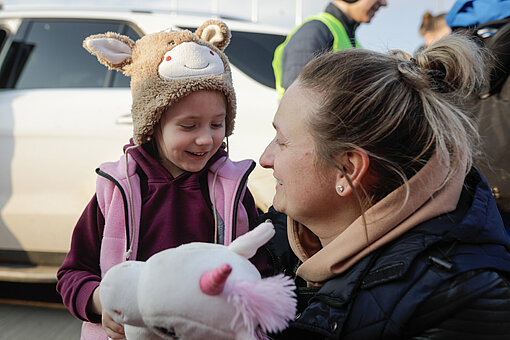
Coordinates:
270 303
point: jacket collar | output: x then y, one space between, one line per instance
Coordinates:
475 221
349 24
430 195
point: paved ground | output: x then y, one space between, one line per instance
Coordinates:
26 322
34 311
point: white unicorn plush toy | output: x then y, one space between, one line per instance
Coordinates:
200 291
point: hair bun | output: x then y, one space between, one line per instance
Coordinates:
455 65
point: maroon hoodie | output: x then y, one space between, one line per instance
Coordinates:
166 222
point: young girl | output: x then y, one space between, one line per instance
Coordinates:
174 184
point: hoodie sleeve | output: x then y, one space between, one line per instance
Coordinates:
251 208
262 259
80 273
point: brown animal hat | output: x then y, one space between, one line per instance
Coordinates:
167 66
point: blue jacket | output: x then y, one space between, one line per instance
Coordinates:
471 13
444 279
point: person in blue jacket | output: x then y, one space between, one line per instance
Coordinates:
394 234
489 22
334 29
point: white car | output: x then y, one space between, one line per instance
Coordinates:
62 113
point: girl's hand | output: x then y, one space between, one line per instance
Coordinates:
113 330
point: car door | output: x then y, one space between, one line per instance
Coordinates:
62 113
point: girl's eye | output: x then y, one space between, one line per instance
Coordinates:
187 127
217 125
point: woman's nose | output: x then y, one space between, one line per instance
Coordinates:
267 157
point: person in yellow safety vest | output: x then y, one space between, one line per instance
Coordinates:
332 29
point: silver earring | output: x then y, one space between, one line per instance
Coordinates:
340 189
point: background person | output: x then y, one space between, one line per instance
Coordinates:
433 28
334 29
488 21
397 235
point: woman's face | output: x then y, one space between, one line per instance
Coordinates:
304 188
191 131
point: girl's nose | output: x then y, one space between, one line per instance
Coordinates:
204 138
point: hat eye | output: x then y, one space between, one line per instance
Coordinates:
171 43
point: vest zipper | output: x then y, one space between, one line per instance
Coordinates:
124 199
237 198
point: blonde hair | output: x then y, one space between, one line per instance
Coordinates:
399 109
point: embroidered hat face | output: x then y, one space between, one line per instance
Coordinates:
167 66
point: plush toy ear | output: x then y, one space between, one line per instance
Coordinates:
215 32
247 244
111 49
118 293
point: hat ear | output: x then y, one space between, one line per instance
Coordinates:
215 32
247 244
111 49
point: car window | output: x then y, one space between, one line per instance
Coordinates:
49 54
253 53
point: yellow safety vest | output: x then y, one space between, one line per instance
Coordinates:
341 41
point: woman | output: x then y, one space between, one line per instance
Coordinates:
396 234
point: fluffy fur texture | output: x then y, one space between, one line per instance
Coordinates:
164 296
166 66
263 303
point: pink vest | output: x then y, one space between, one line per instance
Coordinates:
120 239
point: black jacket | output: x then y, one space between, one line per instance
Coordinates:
444 279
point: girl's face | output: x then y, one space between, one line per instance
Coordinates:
304 189
191 131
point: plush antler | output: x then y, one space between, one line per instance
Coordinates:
213 281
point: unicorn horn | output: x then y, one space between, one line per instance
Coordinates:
213 281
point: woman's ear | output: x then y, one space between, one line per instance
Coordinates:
355 164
